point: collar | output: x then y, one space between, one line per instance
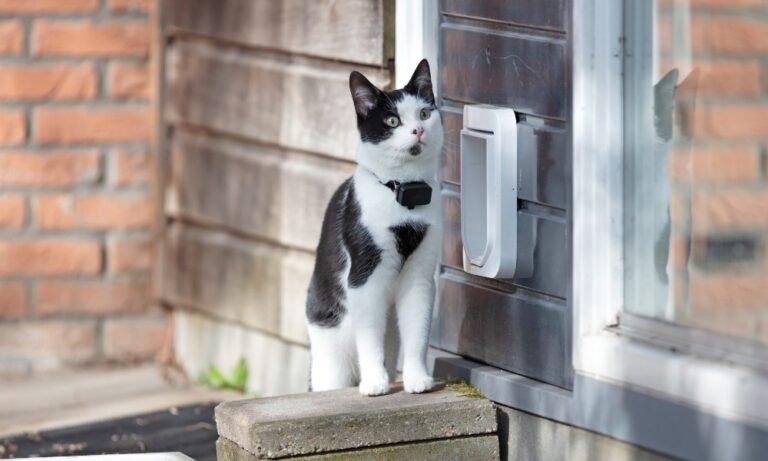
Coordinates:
409 194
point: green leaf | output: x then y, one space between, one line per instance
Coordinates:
240 375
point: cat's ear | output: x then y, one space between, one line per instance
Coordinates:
421 82
364 93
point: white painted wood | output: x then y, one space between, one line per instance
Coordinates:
275 367
727 391
416 38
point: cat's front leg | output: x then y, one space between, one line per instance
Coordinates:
414 311
368 307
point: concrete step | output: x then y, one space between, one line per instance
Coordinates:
343 424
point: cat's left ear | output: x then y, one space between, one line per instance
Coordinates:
421 82
364 93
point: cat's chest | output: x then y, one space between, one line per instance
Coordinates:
393 226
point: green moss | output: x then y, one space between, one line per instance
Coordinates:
464 389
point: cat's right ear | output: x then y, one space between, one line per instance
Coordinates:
364 93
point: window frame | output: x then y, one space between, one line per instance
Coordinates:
601 351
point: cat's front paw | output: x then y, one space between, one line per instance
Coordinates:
377 385
418 384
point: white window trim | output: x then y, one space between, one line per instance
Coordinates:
728 391
416 38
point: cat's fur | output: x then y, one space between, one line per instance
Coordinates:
375 254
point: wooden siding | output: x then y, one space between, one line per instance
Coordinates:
511 54
256 131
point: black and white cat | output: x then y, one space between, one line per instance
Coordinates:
376 253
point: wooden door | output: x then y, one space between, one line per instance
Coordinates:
511 54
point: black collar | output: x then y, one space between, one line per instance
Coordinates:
410 194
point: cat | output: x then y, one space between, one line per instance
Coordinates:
379 244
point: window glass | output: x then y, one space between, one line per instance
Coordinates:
696 173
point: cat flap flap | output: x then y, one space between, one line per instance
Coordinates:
489 191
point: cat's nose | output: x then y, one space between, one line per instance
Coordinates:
419 132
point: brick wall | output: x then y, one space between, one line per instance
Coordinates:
75 207
720 178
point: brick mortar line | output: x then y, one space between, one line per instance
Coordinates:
77 317
79 190
74 235
52 148
97 103
43 60
96 18
109 277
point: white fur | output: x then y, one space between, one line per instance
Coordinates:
360 338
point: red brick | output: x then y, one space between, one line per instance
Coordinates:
48 82
134 339
728 292
11 37
79 124
47 6
128 81
50 169
134 254
737 35
715 165
130 5
729 324
68 342
48 256
731 122
728 78
730 209
13 300
81 38
130 167
99 298
63 211
13 127
13 212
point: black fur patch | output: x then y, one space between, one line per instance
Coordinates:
371 126
364 254
408 237
325 300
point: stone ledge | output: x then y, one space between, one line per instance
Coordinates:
481 447
342 420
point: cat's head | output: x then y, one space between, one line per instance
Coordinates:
397 127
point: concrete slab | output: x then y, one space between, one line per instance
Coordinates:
322 422
478 448
129 457
74 397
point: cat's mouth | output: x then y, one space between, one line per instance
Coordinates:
416 149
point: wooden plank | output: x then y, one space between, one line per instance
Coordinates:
267 98
503 69
523 334
545 14
346 30
265 191
543 240
543 159
236 279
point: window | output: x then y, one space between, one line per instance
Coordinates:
671 200
695 183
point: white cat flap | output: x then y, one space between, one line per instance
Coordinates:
489 191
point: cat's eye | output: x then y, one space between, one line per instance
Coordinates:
392 121
424 114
